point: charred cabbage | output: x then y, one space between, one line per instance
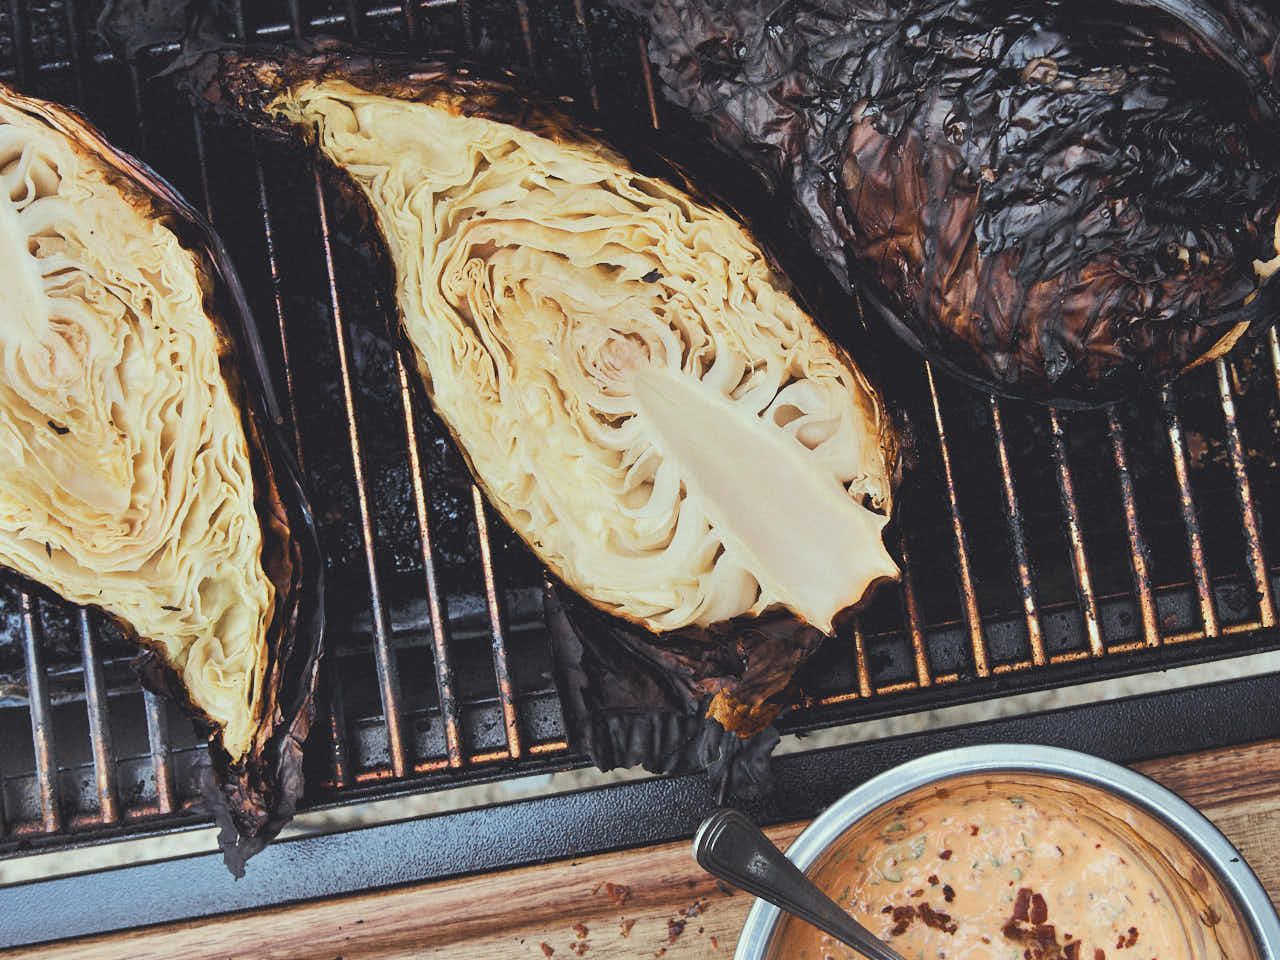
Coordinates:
1059 200
630 380
136 472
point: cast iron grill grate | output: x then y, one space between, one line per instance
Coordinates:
1041 548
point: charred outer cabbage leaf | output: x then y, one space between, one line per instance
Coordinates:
1058 200
138 468
631 382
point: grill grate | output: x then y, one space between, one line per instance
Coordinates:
1040 547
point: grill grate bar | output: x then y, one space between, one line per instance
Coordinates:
972 617
584 48
1244 497
408 10
1139 560
95 697
526 31
1190 519
915 622
384 658
1071 515
21 40
161 752
41 721
860 659
75 40
646 75
435 606
501 667
1018 538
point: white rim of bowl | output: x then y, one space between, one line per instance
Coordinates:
1143 792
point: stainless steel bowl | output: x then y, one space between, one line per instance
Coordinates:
1219 871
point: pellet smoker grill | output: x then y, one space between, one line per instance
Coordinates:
1040 548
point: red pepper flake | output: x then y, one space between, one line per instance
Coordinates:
580 931
917 893
695 909
715 942
1039 909
1022 904
948 894
902 917
945 854
579 948
625 926
674 929
937 920
933 879
1124 942
547 949
973 829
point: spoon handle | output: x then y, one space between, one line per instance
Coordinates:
731 847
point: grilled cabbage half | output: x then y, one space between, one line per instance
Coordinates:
629 378
1054 199
136 471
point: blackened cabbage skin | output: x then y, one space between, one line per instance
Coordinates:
1058 200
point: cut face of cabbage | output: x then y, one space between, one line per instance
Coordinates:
125 475
630 381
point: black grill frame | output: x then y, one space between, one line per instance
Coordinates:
941 640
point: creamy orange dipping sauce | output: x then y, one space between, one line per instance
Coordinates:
1014 872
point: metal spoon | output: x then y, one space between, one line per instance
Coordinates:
731 847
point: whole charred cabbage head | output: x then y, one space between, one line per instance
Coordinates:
140 471
1058 199
628 376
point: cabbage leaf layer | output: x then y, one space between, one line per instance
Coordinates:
629 379
125 473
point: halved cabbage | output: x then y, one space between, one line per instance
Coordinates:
133 475
634 387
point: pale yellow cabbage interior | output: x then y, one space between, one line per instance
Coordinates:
634 391
125 477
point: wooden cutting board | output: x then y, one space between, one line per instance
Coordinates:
635 905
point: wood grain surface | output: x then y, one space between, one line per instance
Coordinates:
647 903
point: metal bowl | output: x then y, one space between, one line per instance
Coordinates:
1193 848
